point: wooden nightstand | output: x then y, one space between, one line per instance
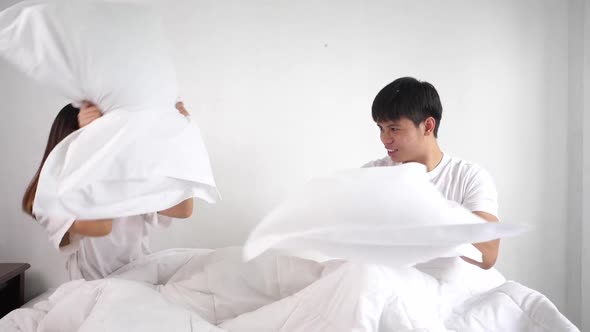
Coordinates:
12 286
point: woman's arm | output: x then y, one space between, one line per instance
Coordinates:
93 228
181 210
98 227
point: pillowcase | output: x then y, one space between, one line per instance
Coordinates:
387 215
142 156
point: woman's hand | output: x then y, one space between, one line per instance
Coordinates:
88 113
180 107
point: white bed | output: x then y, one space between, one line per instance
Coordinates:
212 290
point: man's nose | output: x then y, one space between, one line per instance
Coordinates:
386 138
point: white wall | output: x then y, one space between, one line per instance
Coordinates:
575 159
283 90
585 192
578 145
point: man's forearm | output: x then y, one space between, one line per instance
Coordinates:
489 253
489 249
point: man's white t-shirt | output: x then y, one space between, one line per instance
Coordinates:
472 187
93 258
459 181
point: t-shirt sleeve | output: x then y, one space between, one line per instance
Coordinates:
481 194
156 219
56 228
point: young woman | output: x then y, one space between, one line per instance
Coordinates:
96 248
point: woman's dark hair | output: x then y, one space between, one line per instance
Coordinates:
65 123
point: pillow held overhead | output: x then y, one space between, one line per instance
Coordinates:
142 156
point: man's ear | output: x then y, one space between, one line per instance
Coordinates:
429 126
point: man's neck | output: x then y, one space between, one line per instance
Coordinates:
432 158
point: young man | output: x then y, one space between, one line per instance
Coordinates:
408 114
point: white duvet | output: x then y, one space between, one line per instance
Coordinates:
206 290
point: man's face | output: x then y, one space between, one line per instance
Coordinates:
403 141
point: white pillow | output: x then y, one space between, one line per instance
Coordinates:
390 215
142 155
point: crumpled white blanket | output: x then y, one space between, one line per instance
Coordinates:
213 290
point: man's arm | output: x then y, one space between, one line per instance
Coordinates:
489 250
181 210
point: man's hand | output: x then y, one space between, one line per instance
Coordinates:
180 107
88 113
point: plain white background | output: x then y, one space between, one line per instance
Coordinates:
282 91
